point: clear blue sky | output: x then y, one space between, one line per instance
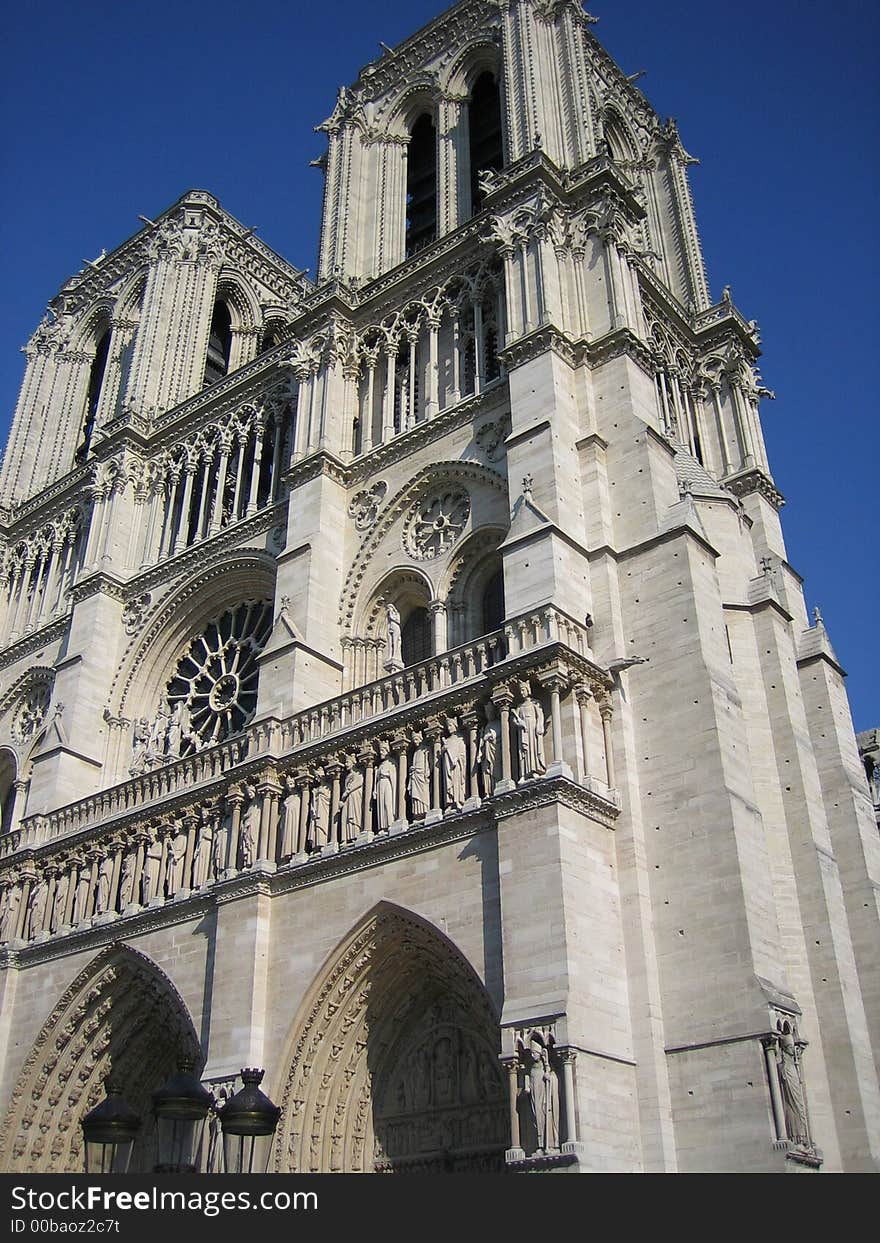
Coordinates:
114 109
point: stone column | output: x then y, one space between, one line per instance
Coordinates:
556 683
471 722
502 698
333 770
583 694
769 1044
368 758
567 1058
432 403
606 713
433 734
515 1152
235 799
438 615
303 784
399 746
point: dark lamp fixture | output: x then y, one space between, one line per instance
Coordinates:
109 1131
181 1107
248 1121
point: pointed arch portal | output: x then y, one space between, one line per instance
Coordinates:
393 1064
121 1013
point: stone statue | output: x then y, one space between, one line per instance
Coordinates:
59 901
140 754
35 912
220 845
174 863
319 813
202 850
528 719
487 752
351 803
157 742
9 912
419 780
393 660
250 828
542 1087
386 793
791 1086
179 727
150 878
102 891
454 766
126 879
289 819
83 892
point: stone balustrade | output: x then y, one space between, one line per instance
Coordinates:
458 735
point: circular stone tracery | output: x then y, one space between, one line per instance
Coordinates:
435 523
215 682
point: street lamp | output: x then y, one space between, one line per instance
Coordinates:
181 1107
109 1131
248 1121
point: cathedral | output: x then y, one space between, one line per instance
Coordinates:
404 689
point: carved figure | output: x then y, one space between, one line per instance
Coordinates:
35 912
791 1086
179 727
351 803
126 879
59 901
150 877
250 828
102 891
140 747
220 845
289 819
83 892
542 1087
393 648
319 813
174 862
419 780
202 849
487 752
528 719
158 739
386 794
9 912
454 765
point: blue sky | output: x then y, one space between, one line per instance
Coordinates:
114 109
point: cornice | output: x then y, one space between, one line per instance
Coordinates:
616 344
540 341
49 503
746 482
98 583
34 642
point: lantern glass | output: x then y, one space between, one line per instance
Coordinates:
248 1120
109 1131
181 1107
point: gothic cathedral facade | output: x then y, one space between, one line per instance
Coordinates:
403 685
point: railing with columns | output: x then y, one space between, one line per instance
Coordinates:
412 749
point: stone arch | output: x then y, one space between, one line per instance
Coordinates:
120 1014
8 776
478 55
402 587
393 1059
152 655
467 578
243 303
436 474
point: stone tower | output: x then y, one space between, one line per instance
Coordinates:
403 684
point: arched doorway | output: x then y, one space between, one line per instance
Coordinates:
121 1014
394 1060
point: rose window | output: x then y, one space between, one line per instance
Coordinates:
216 678
436 523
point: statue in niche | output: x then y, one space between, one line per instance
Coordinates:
150 877
393 649
35 911
468 1063
83 892
418 1081
444 1072
174 863
791 1085
140 754
542 1091
105 880
9 912
528 720
250 828
419 780
220 845
201 859
126 879
386 781
319 813
59 901
351 804
179 729
487 752
454 766
289 819
157 743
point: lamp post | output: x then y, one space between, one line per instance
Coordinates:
109 1131
181 1107
248 1121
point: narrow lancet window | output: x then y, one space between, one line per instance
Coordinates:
96 380
421 186
219 343
484 129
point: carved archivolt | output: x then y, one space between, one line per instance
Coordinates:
121 1014
393 1063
